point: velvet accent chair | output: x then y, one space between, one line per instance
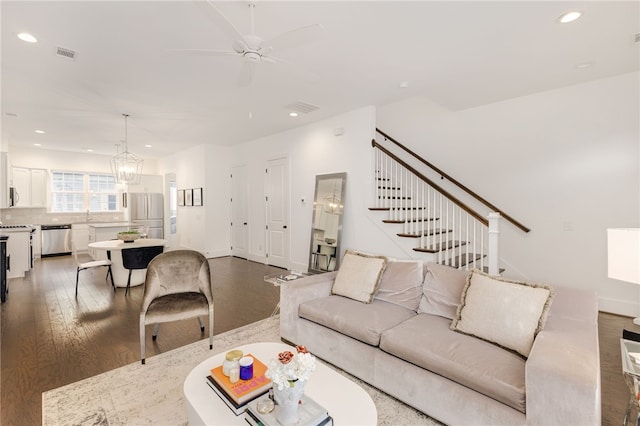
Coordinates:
81 266
138 258
177 287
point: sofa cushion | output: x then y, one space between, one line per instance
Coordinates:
504 312
359 276
442 289
364 322
401 283
427 341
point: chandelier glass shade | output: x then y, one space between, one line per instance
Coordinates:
332 203
125 166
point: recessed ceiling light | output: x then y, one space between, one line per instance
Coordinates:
404 84
565 18
37 144
89 150
40 132
293 114
584 65
27 37
148 146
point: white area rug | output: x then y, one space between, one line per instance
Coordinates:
151 394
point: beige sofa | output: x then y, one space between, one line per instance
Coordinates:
456 378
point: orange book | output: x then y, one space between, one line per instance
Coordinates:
243 390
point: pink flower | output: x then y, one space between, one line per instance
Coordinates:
285 357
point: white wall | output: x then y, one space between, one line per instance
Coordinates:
563 162
314 149
206 228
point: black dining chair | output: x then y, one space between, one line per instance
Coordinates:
138 258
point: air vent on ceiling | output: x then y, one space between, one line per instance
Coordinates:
301 107
636 38
66 53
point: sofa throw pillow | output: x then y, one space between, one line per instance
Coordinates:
442 289
401 283
507 313
359 276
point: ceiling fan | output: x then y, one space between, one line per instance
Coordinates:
251 48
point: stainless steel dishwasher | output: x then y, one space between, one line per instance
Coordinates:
56 240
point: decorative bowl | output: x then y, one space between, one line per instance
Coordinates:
330 240
129 236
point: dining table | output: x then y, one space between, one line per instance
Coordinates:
112 250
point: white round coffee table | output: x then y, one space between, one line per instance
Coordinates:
346 402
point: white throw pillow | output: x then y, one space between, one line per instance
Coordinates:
507 313
442 290
401 283
359 276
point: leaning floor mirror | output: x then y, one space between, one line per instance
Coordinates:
326 228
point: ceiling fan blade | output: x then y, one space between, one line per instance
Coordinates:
294 38
214 13
246 73
202 52
295 69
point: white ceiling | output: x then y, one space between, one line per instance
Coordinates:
458 54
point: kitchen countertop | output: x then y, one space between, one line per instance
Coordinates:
110 224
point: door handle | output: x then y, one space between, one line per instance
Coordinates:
245 223
284 226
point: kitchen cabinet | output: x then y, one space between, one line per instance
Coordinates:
19 252
148 184
80 236
4 180
103 232
30 184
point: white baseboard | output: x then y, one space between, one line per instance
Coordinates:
619 307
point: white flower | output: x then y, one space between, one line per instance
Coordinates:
289 367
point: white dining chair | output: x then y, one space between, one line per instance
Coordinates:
91 264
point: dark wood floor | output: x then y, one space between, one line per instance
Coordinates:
50 338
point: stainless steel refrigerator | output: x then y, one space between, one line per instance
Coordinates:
146 210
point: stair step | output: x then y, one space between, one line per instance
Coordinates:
458 261
425 233
393 197
379 209
437 247
419 219
395 188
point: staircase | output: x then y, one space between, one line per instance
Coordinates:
442 226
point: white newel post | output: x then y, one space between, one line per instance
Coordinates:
494 243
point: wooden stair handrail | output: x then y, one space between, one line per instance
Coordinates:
455 182
441 190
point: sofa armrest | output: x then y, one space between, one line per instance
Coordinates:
563 376
295 292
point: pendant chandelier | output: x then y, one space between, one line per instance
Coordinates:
332 203
125 166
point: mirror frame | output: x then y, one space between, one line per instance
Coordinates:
332 260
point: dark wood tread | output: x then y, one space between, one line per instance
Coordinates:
397 209
458 261
425 233
395 188
393 197
439 247
419 219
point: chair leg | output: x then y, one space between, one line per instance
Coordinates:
210 327
77 276
201 325
156 328
142 339
128 282
110 273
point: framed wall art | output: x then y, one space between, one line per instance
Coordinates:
181 197
188 197
197 196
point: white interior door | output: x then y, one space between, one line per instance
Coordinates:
277 198
239 211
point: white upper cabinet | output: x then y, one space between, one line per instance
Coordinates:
148 184
30 186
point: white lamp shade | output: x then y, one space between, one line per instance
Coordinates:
624 254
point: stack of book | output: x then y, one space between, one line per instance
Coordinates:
310 413
238 395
